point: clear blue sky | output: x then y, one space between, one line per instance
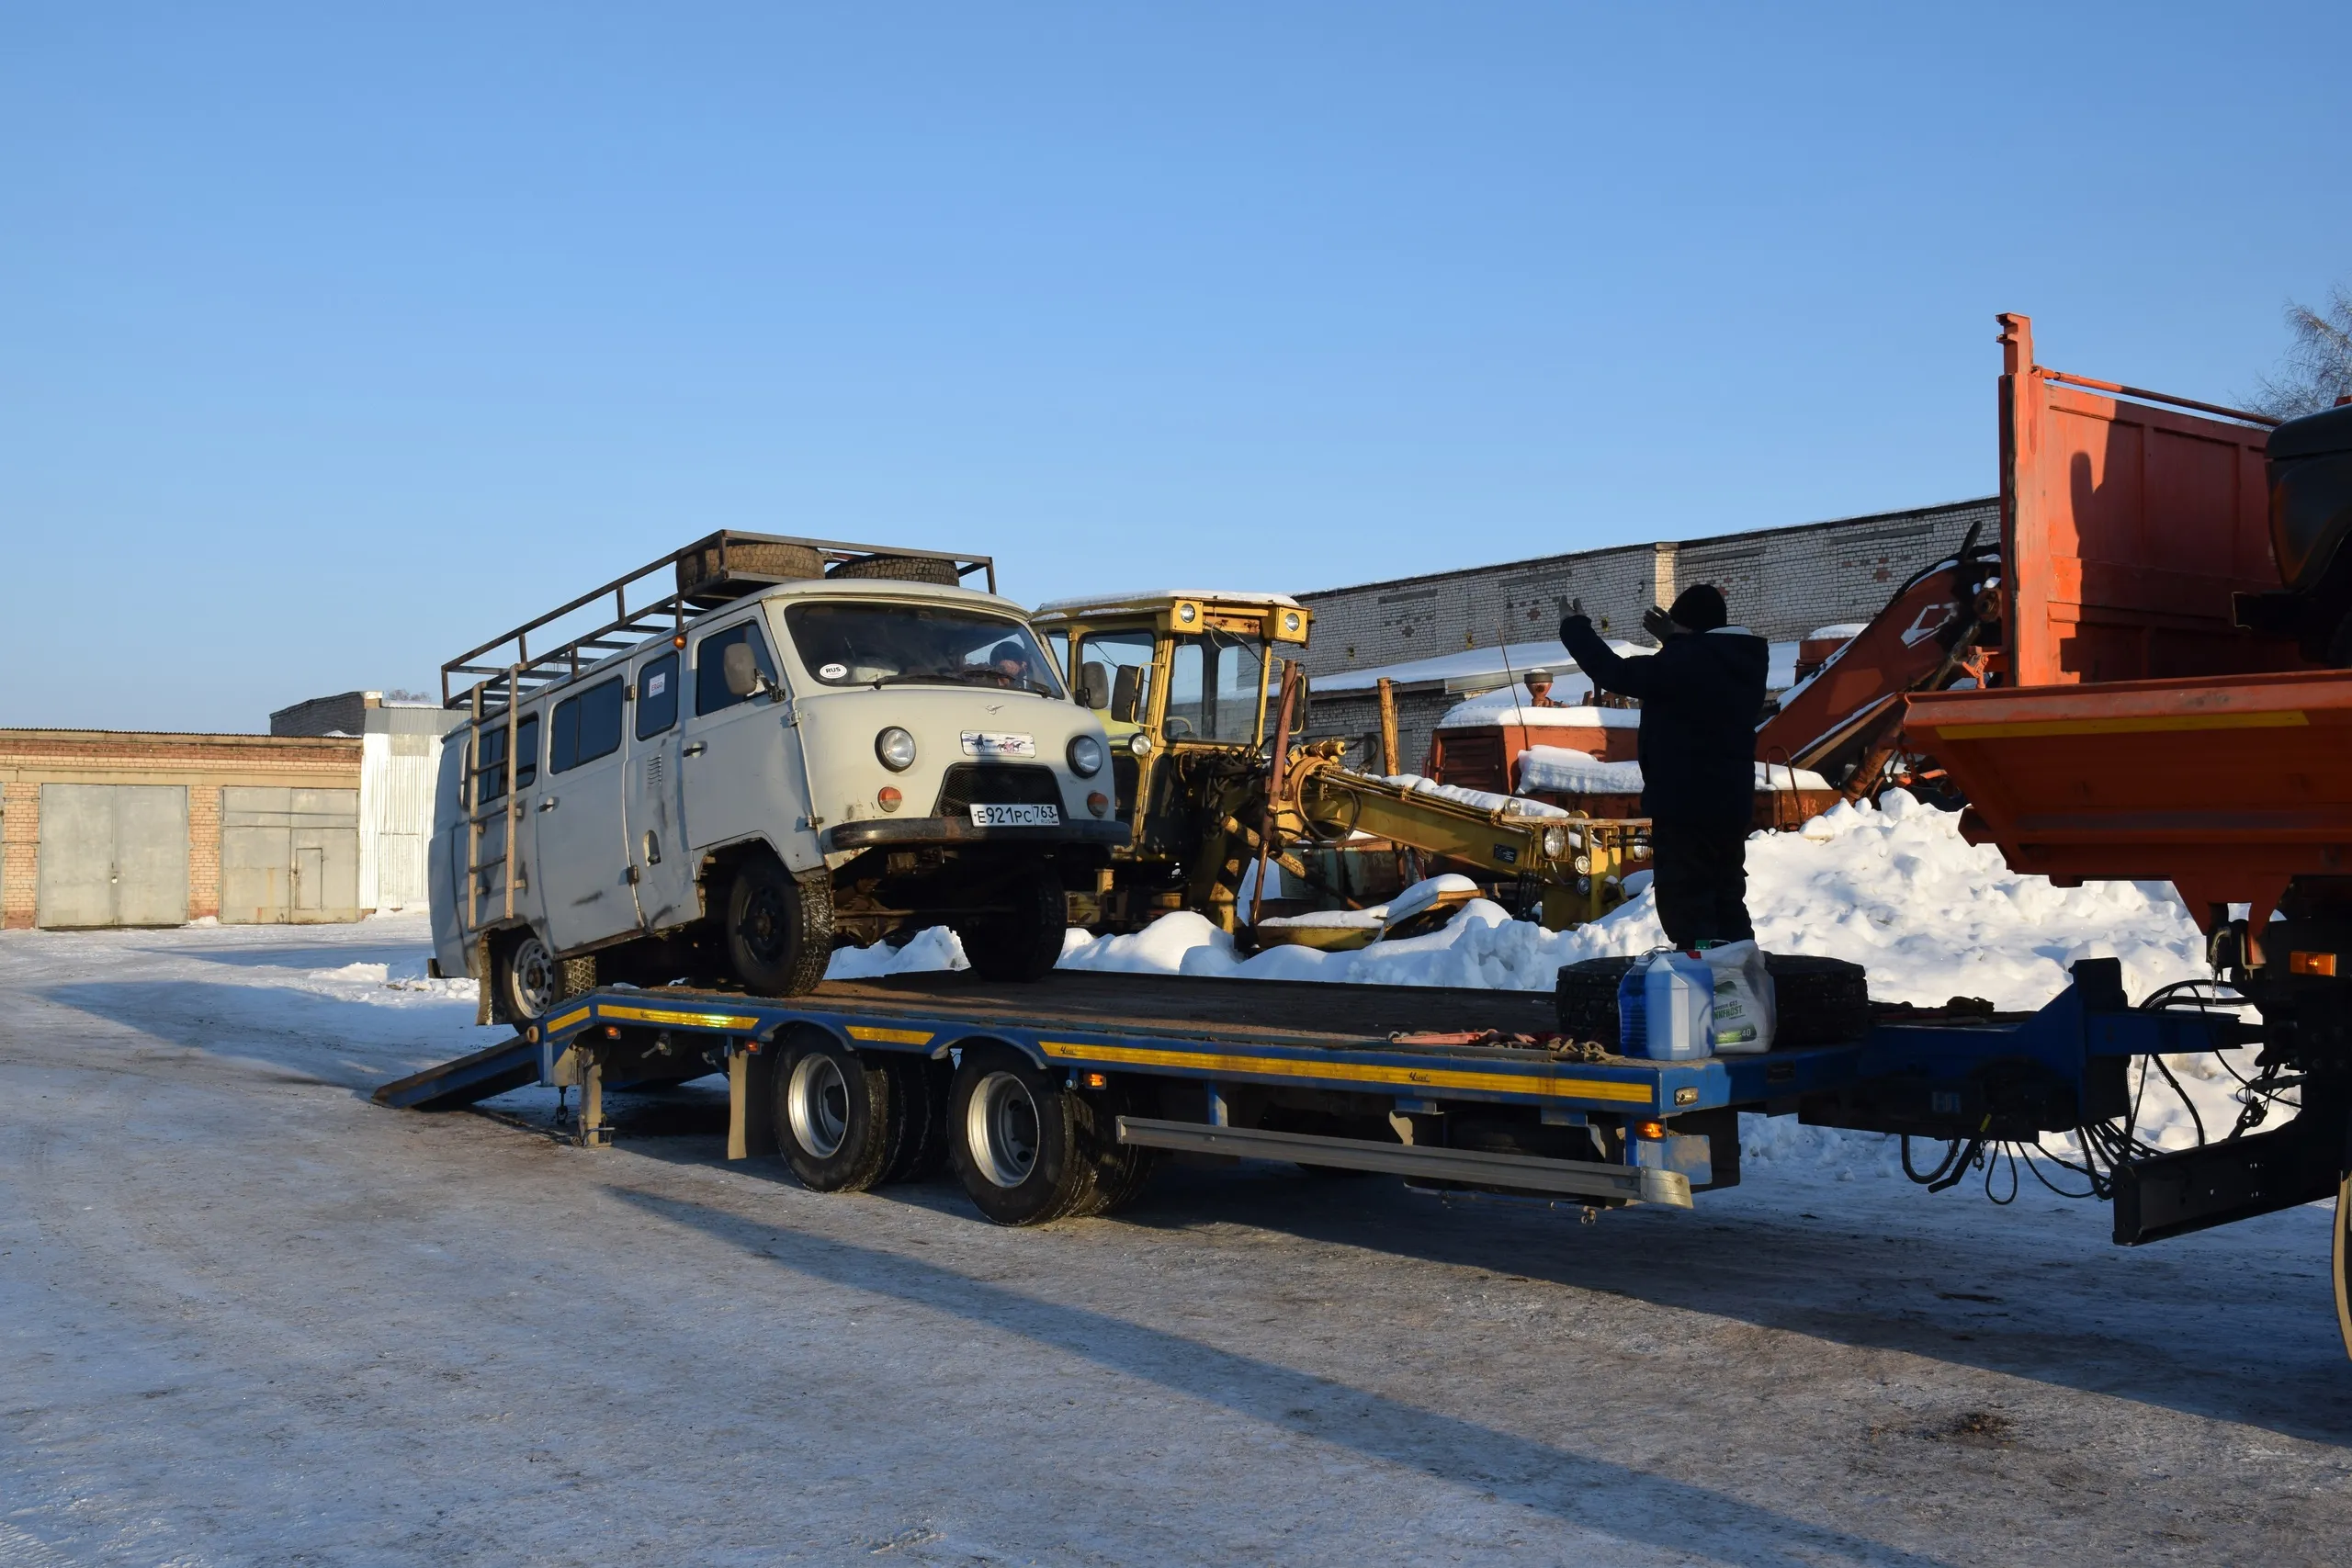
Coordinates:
330 344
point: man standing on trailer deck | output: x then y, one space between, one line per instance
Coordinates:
1702 694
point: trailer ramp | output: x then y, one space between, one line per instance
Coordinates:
509 1065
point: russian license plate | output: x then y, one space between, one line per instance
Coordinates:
1017 816
985 743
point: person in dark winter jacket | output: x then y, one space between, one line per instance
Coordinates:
1702 694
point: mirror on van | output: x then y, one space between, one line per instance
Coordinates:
741 670
1094 685
1126 694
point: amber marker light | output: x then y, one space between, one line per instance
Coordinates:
1099 804
889 798
2320 964
1649 1129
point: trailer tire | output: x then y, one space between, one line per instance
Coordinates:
779 929
919 1102
1820 1001
1019 1140
2342 1250
1025 944
834 1113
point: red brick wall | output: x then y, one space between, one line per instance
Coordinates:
203 764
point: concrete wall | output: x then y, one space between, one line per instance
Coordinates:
204 764
1782 582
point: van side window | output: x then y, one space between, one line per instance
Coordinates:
657 695
710 665
491 771
585 727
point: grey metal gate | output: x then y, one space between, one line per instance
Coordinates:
288 856
112 855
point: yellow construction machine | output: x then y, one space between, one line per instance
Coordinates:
1203 701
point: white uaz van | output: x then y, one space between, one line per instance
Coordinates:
823 744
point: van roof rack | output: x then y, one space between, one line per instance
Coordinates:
664 595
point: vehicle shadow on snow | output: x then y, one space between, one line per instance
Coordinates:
2181 1331
1580 1489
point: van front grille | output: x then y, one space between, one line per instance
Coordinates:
997 784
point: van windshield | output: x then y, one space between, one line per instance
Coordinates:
937 645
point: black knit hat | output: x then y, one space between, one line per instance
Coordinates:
1700 608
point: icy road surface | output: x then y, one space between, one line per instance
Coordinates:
247 1318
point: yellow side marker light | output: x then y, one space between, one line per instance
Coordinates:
2319 964
1096 1080
1649 1129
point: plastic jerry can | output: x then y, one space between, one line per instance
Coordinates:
1666 1007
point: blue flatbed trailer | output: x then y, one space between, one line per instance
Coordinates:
1381 1074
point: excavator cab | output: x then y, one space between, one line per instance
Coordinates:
1183 684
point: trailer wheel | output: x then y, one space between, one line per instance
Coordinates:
919 1095
528 981
1027 944
833 1115
1019 1139
779 929
2344 1261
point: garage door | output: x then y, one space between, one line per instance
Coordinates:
289 856
112 855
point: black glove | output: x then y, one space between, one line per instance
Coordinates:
1660 624
1574 624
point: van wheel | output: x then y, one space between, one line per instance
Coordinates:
833 1116
1025 944
527 979
779 929
1016 1140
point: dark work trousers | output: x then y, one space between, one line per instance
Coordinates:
1700 871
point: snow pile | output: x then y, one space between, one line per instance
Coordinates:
1566 770
936 948
1484 799
1510 705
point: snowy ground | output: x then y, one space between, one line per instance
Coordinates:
246 1316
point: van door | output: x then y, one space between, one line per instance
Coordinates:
657 839
583 841
740 760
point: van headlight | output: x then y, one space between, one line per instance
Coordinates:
1086 756
895 748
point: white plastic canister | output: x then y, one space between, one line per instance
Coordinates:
1677 1017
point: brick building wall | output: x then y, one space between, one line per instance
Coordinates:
1782 582
203 764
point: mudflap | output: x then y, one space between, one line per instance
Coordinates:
2344 1261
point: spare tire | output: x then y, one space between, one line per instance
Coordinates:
758 559
900 569
1820 1001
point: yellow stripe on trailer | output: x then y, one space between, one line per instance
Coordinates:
889 1036
568 1020
1354 1072
673 1015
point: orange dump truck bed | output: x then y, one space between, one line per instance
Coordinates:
2225 786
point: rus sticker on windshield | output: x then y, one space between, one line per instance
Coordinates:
981 743
832 673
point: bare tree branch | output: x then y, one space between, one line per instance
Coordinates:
2316 371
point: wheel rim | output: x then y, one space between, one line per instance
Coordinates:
1001 1127
533 972
818 1102
764 922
